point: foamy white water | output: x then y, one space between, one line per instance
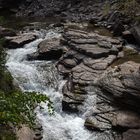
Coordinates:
41 76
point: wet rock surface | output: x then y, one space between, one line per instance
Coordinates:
50 49
117 103
126 86
19 40
29 134
88 63
85 59
88 56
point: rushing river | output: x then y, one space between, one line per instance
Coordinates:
42 76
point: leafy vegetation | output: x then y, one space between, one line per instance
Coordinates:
18 108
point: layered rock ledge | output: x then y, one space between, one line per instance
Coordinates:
88 56
88 63
49 49
19 40
117 105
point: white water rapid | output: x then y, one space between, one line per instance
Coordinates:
41 76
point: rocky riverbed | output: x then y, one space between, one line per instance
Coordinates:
86 64
86 61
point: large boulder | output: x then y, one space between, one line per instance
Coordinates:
19 40
122 83
49 49
117 102
115 119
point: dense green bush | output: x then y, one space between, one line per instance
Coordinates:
18 108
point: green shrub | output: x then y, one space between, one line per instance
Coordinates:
18 108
